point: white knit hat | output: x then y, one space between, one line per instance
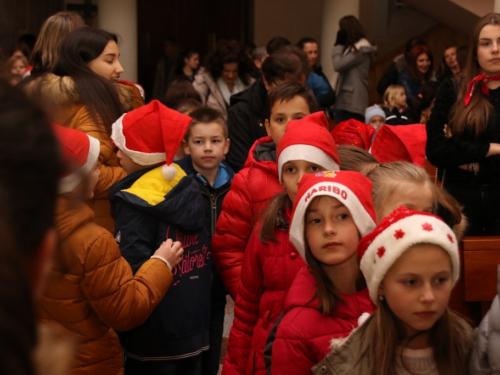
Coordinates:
374 110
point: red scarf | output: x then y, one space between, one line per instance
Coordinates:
483 79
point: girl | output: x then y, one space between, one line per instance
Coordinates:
395 106
356 159
410 263
91 290
352 55
332 210
84 94
418 71
470 152
271 261
405 184
15 67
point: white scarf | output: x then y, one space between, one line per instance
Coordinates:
226 94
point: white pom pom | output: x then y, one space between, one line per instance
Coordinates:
363 318
168 172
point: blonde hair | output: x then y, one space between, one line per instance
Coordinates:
52 33
390 95
356 159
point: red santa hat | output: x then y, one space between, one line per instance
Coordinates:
398 232
352 189
151 135
400 143
308 139
80 153
354 133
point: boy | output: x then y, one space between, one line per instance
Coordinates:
375 116
257 183
206 144
155 202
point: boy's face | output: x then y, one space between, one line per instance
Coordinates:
282 112
207 146
127 163
377 122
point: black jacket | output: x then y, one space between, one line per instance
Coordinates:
148 210
245 122
467 148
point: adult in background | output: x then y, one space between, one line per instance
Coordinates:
317 80
82 93
226 73
186 66
164 67
418 71
248 109
352 56
470 150
449 65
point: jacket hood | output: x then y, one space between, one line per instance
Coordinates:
255 96
60 91
263 155
177 201
70 215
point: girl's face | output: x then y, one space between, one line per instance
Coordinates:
107 64
400 99
331 233
282 112
418 197
417 287
192 62
229 73
92 181
377 122
293 171
18 68
423 63
488 49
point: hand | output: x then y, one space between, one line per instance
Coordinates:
171 252
494 149
341 38
447 131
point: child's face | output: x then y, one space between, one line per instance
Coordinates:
127 163
282 112
417 287
377 122
92 181
293 171
107 64
18 68
400 99
207 146
415 197
331 233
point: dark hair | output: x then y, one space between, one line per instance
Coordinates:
412 63
227 52
273 218
179 89
206 115
462 56
424 99
353 28
277 43
287 91
444 70
287 64
305 40
29 159
187 105
98 94
178 68
412 42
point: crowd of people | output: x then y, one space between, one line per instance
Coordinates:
251 175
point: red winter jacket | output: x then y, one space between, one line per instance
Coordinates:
266 275
251 190
304 334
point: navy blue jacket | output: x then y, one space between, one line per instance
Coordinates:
149 209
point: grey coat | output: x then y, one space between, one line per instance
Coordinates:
486 355
352 83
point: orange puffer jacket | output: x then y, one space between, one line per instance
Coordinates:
91 290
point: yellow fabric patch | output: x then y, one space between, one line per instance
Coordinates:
152 186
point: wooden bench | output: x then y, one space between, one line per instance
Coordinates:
477 286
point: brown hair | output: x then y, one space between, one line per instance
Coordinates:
353 29
353 158
178 90
206 115
273 217
288 91
187 105
412 63
476 115
390 95
287 64
385 333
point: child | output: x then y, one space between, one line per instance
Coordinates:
15 67
405 184
356 159
395 106
206 144
91 290
255 185
271 261
151 204
410 263
332 210
375 116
